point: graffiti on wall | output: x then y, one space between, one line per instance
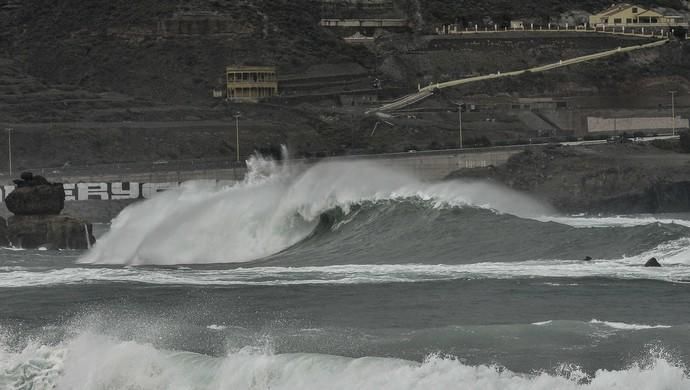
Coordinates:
107 191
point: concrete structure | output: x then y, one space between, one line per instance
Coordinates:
358 38
635 16
430 165
542 103
370 23
517 25
368 5
251 83
595 125
361 99
429 90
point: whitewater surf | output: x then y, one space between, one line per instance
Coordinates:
351 275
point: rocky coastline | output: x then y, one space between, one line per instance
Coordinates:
601 179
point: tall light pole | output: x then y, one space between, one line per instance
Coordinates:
237 135
9 147
460 105
673 111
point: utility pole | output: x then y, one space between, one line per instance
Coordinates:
673 111
460 105
237 135
9 148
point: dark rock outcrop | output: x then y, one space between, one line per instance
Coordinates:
34 195
652 263
50 231
4 241
618 179
587 258
36 205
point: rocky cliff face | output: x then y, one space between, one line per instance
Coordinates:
607 178
50 231
172 51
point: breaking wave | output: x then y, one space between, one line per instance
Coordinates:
274 208
94 361
360 213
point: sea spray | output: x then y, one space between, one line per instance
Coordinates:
87 237
275 207
91 361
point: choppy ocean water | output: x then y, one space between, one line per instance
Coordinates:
351 276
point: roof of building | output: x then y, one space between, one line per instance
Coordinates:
617 8
249 68
358 36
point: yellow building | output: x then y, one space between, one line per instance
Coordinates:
251 83
635 16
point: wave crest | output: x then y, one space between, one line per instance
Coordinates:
92 361
274 208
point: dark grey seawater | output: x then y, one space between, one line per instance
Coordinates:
399 293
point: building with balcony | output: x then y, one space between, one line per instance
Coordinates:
251 83
630 15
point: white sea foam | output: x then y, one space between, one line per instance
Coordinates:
274 208
624 326
11 248
607 324
92 361
349 274
542 323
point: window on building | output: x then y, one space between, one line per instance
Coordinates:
654 20
617 21
606 20
634 10
628 20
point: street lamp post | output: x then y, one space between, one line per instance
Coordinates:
673 111
237 135
9 148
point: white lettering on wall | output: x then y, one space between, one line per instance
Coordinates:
110 191
124 191
70 193
92 191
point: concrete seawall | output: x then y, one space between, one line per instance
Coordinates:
438 166
100 197
433 165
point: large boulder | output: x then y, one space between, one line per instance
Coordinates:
42 199
50 231
4 241
653 262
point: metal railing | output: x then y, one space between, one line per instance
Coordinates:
642 31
